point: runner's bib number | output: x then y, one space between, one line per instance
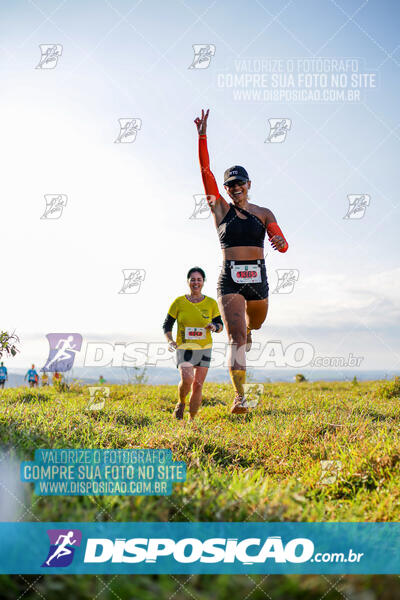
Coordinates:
246 273
195 333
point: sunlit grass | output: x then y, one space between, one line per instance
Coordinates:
262 466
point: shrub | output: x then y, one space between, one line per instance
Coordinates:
390 389
299 378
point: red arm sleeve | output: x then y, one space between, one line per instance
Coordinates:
274 229
210 185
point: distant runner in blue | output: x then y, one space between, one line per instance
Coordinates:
33 377
3 375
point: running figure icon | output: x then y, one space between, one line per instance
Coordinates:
62 549
64 347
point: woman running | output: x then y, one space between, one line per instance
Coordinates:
242 285
197 317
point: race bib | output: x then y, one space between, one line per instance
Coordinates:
246 273
195 333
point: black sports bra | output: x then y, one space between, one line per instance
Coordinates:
234 231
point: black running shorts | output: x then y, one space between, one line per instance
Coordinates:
245 277
197 358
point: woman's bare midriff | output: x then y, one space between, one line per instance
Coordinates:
242 253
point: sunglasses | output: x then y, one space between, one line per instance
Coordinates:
231 184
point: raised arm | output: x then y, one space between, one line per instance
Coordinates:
210 184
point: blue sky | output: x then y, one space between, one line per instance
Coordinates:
129 204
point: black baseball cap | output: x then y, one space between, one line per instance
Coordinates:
235 173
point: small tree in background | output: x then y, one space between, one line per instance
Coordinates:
299 378
136 376
8 343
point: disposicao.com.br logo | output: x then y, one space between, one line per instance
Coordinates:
248 551
119 553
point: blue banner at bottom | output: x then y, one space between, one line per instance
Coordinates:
179 548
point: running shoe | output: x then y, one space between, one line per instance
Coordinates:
238 407
178 412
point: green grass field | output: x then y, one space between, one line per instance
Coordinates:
264 466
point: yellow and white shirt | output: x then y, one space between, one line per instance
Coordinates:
192 317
